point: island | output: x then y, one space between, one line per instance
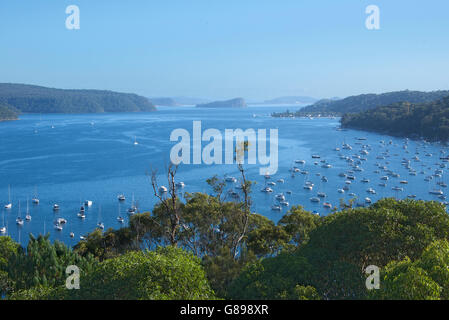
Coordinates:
36 99
233 103
429 121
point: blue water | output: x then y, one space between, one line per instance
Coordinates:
72 158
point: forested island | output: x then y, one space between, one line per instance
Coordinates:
233 103
416 120
207 247
37 99
359 103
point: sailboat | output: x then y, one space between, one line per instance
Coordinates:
19 220
35 199
28 216
120 218
100 224
135 141
3 229
9 204
133 208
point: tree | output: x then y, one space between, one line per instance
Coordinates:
165 274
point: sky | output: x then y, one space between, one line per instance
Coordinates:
219 49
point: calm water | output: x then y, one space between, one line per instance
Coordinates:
72 158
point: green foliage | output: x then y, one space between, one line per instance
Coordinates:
44 263
298 223
108 244
427 278
35 99
343 244
40 292
167 273
365 102
7 113
428 120
272 278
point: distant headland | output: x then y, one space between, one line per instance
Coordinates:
22 98
233 103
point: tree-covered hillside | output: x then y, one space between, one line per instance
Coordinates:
427 120
7 113
370 101
36 99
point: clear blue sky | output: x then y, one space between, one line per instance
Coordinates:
218 49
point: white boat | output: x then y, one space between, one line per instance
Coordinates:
72 235
120 219
341 191
368 200
300 161
280 197
315 199
284 203
180 184
58 227
436 192
55 207
276 208
3 230
28 215
61 221
365 180
135 141
230 179
9 204
100 224
327 205
133 209
163 189
82 238
88 203
81 215
321 195
121 197
308 187
267 190
19 220
35 199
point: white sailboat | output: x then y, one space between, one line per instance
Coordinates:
100 224
3 229
133 208
35 199
135 141
19 220
9 204
120 219
28 215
